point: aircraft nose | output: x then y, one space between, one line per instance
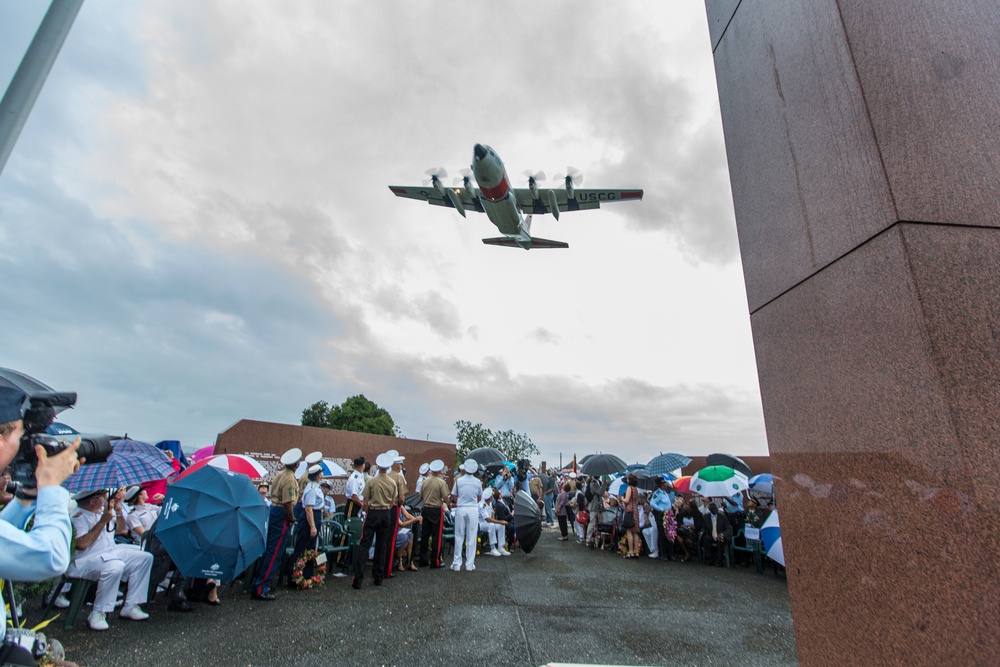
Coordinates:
479 151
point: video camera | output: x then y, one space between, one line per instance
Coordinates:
39 415
522 470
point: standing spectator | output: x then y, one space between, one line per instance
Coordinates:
561 512
660 503
550 490
466 494
595 503
631 506
715 535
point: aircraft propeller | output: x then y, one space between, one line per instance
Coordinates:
435 172
534 177
574 174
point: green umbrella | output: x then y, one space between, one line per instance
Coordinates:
718 482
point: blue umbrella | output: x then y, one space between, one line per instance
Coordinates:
770 533
213 523
762 489
131 462
666 463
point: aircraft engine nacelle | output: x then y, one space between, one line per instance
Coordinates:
569 188
553 204
455 200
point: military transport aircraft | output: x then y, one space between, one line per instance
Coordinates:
503 205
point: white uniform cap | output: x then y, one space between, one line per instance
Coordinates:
398 459
291 457
572 475
471 466
424 468
313 469
392 453
313 457
437 465
384 461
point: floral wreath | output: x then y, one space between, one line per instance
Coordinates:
319 570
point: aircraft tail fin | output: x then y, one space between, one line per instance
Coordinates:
527 244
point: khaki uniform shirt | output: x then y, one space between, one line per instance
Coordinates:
400 481
284 488
535 484
434 492
381 492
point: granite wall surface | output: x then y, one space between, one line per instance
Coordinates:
864 158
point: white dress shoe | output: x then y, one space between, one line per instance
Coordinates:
61 602
96 621
134 613
494 552
504 552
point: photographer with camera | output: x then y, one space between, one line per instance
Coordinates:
44 551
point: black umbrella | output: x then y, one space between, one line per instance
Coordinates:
603 464
730 461
584 459
527 521
486 455
494 468
414 501
647 482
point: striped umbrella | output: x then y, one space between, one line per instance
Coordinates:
770 533
718 482
131 462
237 463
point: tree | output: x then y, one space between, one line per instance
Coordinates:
357 414
513 446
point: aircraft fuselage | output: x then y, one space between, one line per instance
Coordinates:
495 192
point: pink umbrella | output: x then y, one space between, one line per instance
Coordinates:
202 453
232 462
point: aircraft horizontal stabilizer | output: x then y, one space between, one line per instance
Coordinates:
527 244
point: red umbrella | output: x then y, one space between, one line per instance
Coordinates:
682 484
232 462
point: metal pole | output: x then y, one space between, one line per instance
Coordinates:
31 73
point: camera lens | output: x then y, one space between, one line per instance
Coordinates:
95 450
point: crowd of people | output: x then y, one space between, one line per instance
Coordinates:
660 522
115 542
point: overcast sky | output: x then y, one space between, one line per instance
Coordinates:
196 228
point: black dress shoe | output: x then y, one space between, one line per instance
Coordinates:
377 582
180 605
356 584
266 597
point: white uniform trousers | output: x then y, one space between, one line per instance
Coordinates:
123 562
495 532
652 538
466 526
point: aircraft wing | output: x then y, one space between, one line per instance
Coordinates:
582 200
430 195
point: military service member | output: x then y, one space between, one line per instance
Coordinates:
434 495
284 494
380 506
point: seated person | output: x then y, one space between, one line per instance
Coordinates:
689 523
99 558
493 527
142 515
647 522
404 539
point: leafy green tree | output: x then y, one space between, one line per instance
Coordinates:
317 414
357 414
513 446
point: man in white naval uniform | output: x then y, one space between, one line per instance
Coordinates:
466 493
98 557
355 489
424 469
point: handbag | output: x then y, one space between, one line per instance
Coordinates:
629 520
583 517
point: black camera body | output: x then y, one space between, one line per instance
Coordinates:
39 415
522 470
